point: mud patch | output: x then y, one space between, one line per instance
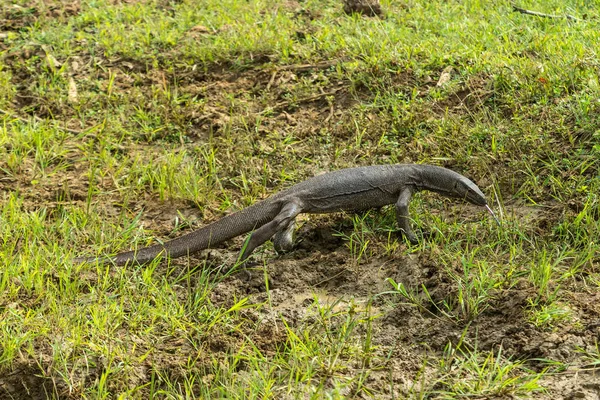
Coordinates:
26 383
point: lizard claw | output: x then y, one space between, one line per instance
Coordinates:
415 239
242 271
247 275
411 237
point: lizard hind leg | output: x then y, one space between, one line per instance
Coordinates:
403 217
284 239
280 223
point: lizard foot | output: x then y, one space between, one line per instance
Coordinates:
243 273
426 235
415 239
247 275
411 237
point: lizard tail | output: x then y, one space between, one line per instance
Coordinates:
206 237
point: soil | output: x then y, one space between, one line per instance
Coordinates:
320 268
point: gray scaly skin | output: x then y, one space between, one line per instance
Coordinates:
351 189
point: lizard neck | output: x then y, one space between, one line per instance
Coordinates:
436 179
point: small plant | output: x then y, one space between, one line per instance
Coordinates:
591 356
475 287
548 315
541 274
411 297
358 241
464 371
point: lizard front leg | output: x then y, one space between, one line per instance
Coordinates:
402 216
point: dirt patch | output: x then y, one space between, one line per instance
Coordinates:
321 271
469 95
573 385
14 17
26 383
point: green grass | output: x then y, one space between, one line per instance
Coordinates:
466 373
127 122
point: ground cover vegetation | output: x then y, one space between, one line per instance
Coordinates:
126 122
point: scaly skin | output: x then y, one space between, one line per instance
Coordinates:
351 189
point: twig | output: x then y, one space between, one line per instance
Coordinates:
542 15
331 110
271 81
302 68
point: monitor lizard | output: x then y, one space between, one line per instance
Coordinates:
350 189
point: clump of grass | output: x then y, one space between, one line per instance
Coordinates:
475 287
591 356
472 372
314 360
357 241
549 314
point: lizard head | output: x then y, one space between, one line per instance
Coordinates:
452 184
465 189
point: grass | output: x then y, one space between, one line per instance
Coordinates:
128 122
471 372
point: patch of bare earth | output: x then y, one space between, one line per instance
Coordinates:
18 16
25 383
